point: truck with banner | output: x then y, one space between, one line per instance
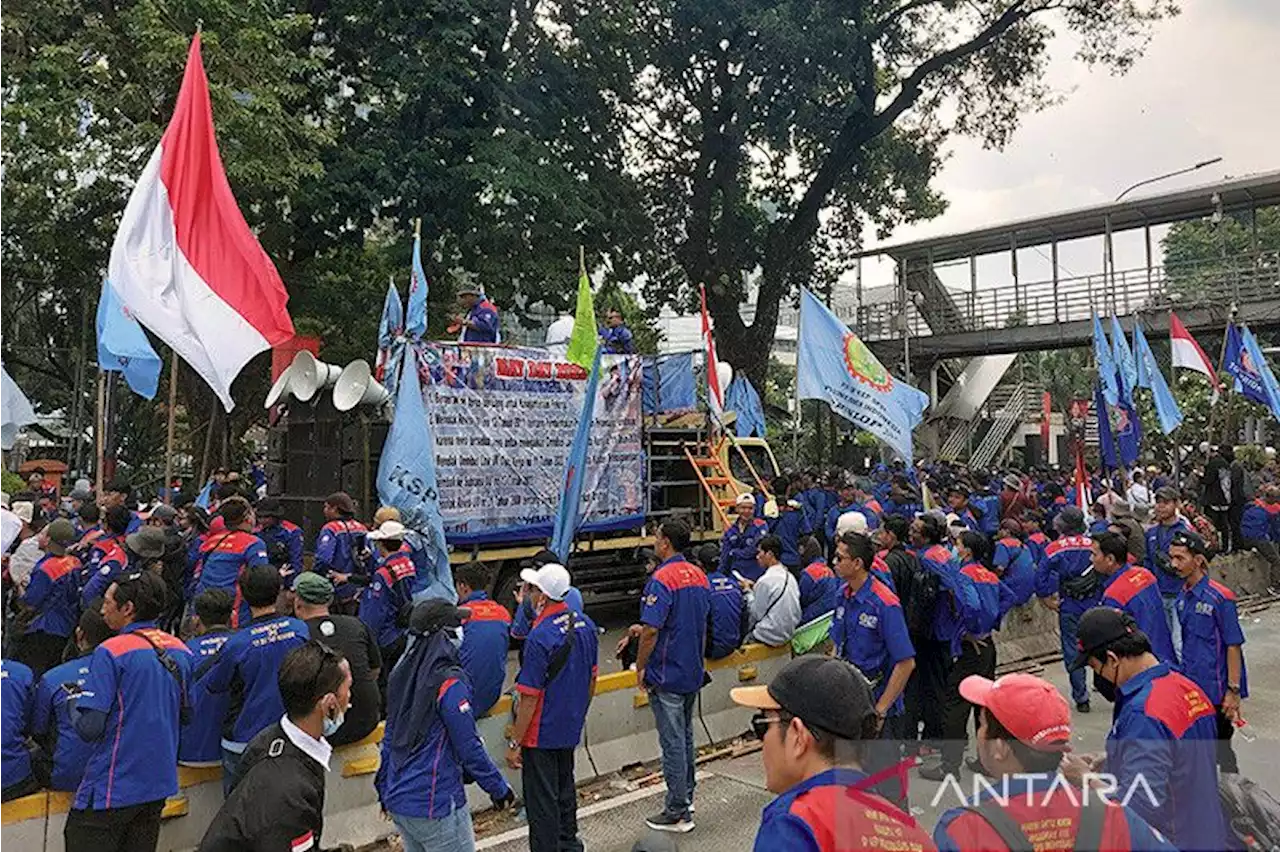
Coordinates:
503 419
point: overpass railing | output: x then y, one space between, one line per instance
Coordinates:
1240 279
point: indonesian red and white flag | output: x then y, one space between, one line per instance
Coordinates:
184 261
1083 498
715 394
1187 352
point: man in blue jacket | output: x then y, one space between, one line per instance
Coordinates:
727 620
1067 584
1168 523
741 541
248 665
51 720
50 605
486 635
1163 732
17 691
282 537
431 747
201 741
1134 590
1259 525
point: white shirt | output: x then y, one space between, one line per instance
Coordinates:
318 750
23 560
1139 496
774 604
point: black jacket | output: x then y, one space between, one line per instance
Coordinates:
278 806
917 591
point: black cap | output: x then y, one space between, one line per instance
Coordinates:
435 614
1099 627
822 692
542 557
1069 520
1166 494
1191 541
269 507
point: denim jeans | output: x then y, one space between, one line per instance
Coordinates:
674 716
231 771
1068 623
452 833
1175 626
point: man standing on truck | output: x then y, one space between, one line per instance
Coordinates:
741 541
480 324
615 336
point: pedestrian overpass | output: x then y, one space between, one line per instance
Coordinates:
991 293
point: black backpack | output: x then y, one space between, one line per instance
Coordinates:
1093 814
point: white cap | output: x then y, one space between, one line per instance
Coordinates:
854 522
745 499
552 579
390 530
24 509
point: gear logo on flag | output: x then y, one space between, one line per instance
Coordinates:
864 366
1119 420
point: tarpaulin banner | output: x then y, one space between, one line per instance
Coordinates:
504 419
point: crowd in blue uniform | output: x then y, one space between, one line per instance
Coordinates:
908 598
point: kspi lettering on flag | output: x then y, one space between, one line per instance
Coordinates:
835 366
123 346
185 262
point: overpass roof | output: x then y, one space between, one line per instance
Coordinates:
1236 194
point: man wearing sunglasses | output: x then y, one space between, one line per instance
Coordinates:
814 721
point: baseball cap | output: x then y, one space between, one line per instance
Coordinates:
552 579
389 531
61 533
1166 494
1029 707
147 542
745 500
313 588
542 557
24 509
435 614
1099 627
386 513
1070 518
269 507
1191 541
822 692
851 522
163 512
81 494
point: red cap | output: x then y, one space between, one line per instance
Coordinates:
1029 708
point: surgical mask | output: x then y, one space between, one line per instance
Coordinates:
330 726
1106 688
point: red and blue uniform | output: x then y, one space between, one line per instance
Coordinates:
484 318
222 559
618 340
965 613
1018 568
1210 625
387 593
136 759
968 518
676 601
727 623
247 667
17 691
51 720
738 548
789 526
337 552
107 559
283 539
869 510
1163 735
1134 590
1037 543
200 742
486 635
1259 521
1047 809
428 782
819 591
833 811
1065 570
53 594
561 709
524 618
1157 559
870 631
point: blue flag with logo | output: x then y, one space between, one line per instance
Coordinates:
1106 363
569 513
415 318
835 366
1127 429
390 342
1149 376
1126 367
123 346
407 471
1242 365
1106 441
1254 363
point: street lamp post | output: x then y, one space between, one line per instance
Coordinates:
1200 165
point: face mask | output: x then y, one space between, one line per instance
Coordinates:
330 726
455 638
1106 688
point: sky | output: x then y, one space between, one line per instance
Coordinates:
1205 88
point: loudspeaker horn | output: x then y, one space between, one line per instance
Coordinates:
309 375
279 387
356 386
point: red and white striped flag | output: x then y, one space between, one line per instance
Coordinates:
715 394
1083 498
184 261
1187 353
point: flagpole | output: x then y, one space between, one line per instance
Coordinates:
1226 386
167 487
99 425
795 441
